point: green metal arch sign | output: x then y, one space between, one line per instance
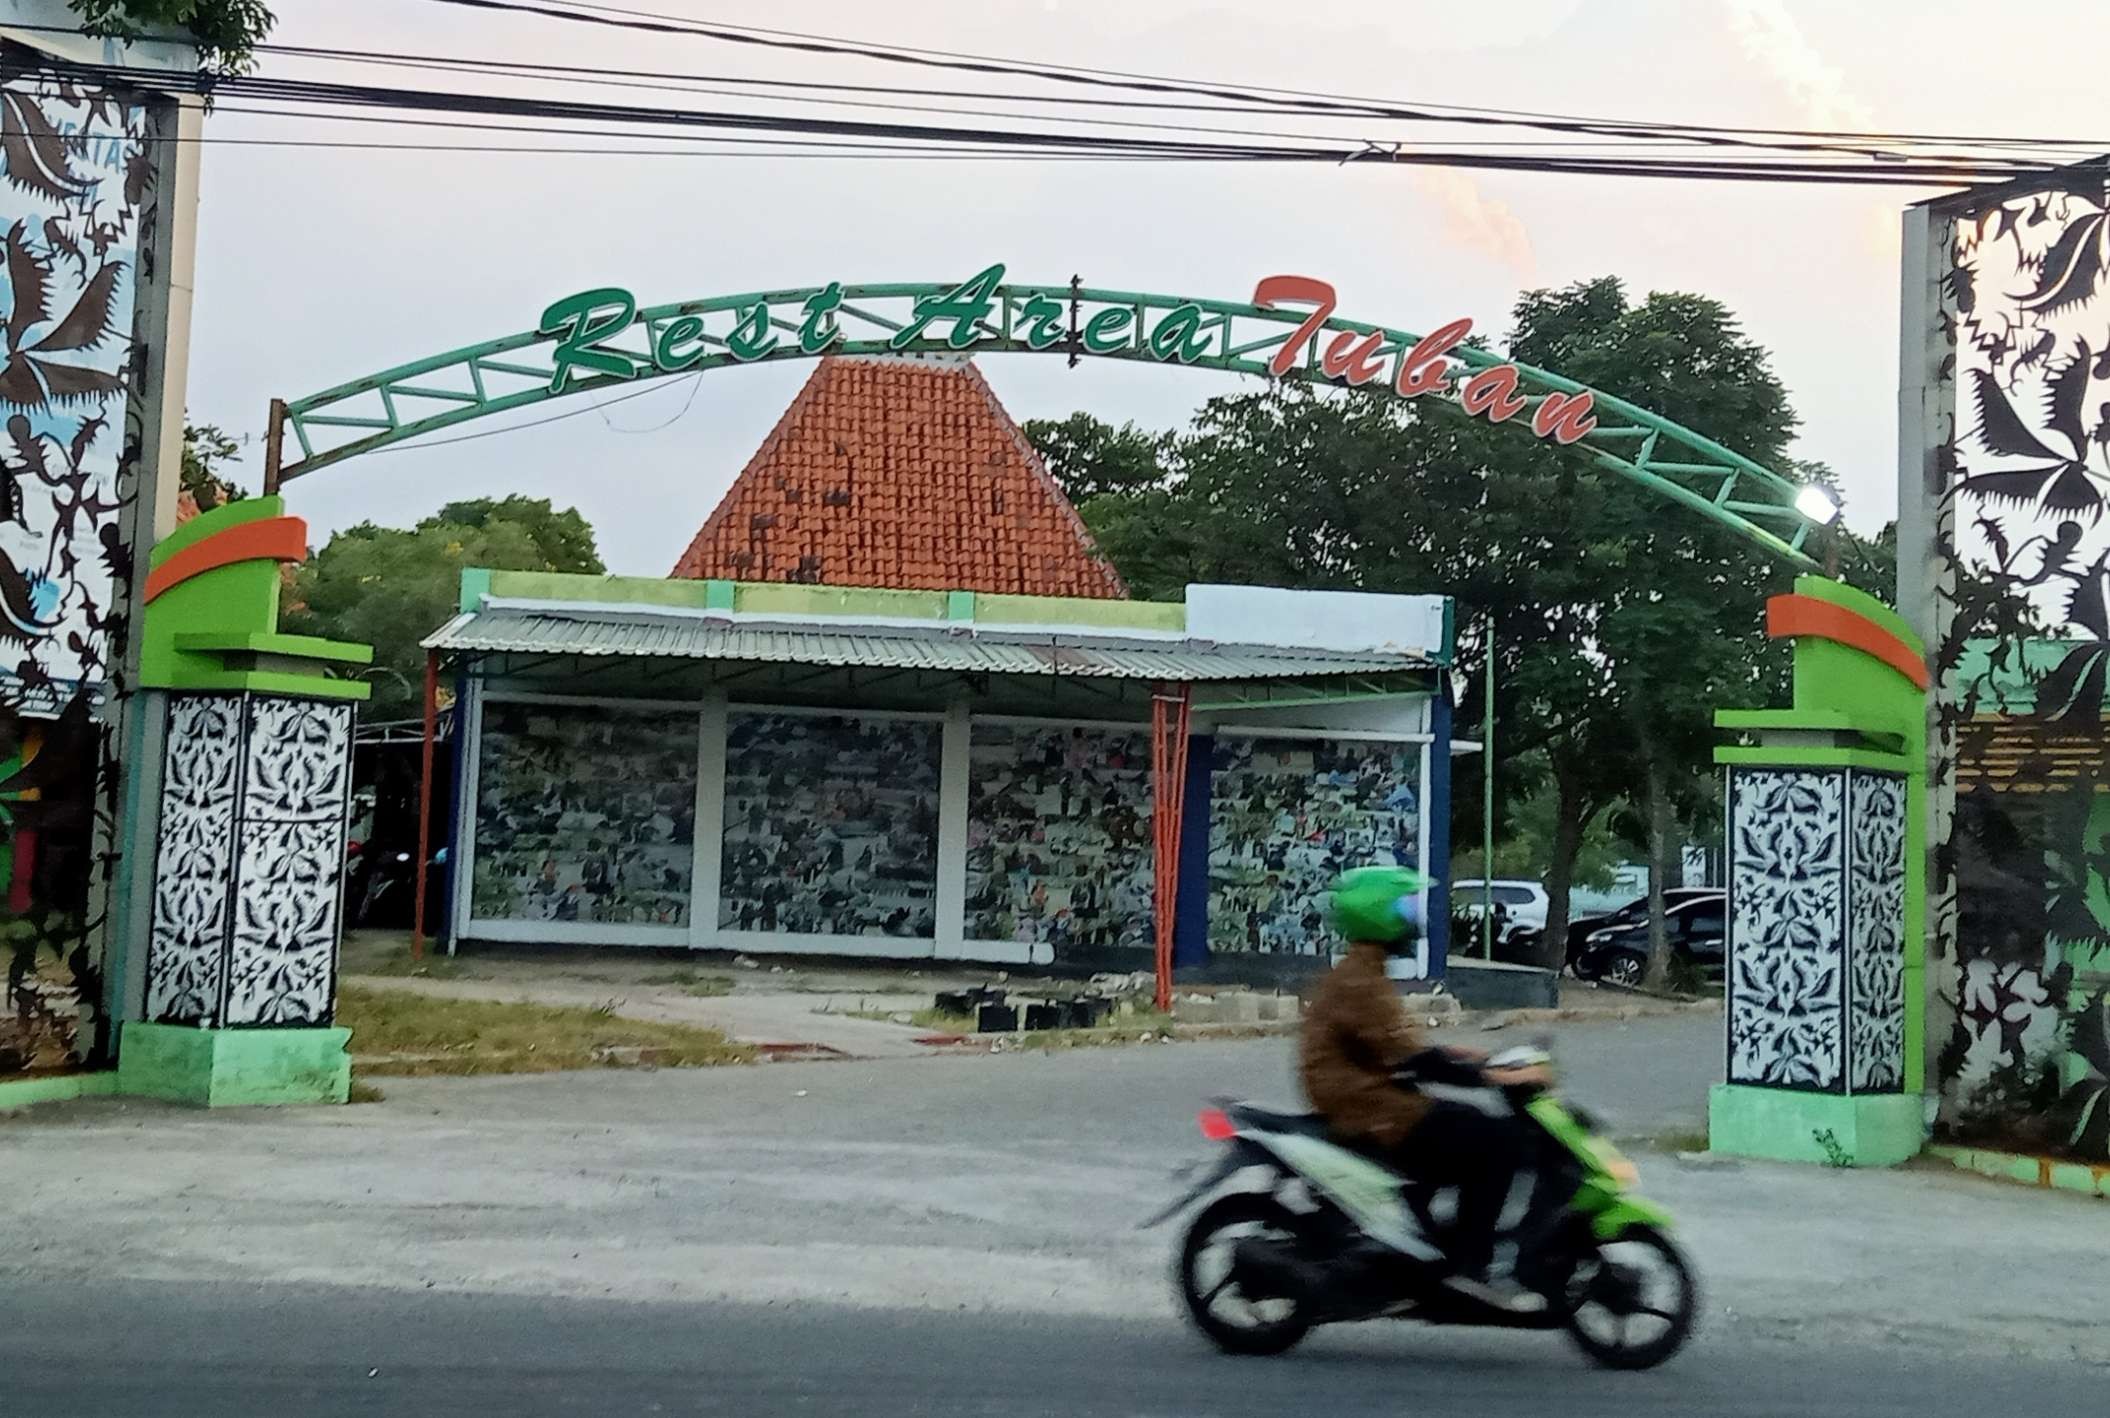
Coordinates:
600 339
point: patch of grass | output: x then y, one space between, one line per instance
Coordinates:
396 1032
1676 1140
689 982
396 962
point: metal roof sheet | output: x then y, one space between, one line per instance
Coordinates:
942 647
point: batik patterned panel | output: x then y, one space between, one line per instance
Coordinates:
1875 940
297 767
193 869
1787 968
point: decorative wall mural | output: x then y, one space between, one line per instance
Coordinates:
76 209
1288 815
831 825
250 861
1059 844
1875 917
2019 487
193 887
1787 961
585 815
296 785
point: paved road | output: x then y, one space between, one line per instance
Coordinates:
946 1235
142 1351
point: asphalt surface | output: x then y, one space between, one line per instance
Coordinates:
240 1352
949 1236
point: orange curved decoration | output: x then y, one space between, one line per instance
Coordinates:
266 539
1806 615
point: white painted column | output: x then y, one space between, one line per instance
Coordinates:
469 757
709 862
954 764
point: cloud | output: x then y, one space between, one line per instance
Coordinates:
1768 34
1474 220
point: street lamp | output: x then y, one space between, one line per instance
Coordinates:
1817 505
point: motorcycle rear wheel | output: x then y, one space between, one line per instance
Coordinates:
1610 1294
1235 1322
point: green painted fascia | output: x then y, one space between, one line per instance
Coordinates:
59 1088
621 590
992 609
476 584
719 595
1798 756
271 681
1838 593
959 605
219 519
777 598
292 647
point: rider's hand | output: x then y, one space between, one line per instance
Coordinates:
1515 1077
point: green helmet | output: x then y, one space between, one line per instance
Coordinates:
1378 904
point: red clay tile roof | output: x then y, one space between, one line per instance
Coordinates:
901 474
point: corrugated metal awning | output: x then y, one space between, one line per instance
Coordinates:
943 646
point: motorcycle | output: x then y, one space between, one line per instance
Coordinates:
1324 1234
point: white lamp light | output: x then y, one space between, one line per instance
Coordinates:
1816 504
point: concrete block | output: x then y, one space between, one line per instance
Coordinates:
231 1068
1788 1125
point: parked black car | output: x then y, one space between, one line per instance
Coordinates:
1698 927
1634 912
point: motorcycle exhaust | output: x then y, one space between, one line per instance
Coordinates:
1269 1270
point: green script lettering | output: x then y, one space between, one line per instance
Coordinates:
581 322
682 330
1107 331
1044 312
752 338
1179 336
966 304
819 330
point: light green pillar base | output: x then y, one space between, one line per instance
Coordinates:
58 1088
1784 1125
234 1068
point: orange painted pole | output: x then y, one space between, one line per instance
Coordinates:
432 724
1170 708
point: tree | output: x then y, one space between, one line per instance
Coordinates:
390 588
563 539
1617 622
1089 458
226 32
207 448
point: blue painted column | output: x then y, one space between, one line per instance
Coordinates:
1190 925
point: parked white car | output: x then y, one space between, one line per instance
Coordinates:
1520 905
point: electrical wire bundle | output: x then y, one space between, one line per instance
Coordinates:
1043 112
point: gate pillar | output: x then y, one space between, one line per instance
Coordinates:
241 957
1825 974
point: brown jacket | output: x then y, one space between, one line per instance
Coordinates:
1355 1033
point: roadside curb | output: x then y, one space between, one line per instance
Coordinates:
2030 1170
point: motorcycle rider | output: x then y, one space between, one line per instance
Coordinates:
1357 1039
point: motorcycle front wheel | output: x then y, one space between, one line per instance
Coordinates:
1633 1301
1222 1299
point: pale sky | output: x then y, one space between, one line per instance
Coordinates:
317 266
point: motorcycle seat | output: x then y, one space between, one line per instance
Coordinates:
1304 1124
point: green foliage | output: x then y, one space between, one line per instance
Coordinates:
391 588
1618 621
207 448
226 32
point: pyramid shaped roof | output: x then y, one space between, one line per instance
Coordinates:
901 473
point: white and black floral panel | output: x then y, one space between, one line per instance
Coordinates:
1787 928
251 856
296 781
1875 933
193 879
1816 929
